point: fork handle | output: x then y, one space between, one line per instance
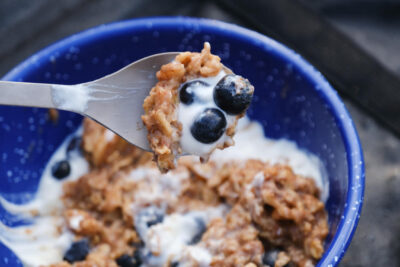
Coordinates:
26 94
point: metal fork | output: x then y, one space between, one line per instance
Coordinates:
115 100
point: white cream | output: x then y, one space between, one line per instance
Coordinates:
160 188
198 253
188 113
71 97
77 97
75 222
171 238
40 242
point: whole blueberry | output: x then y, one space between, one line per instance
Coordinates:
208 126
200 231
77 251
126 260
187 91
174 264
233 94
61 169
269 258
137 245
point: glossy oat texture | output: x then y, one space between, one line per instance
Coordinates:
292 100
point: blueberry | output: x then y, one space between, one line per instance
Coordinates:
208 126
126 260
154 217
233 94
270 257
78 251
61 169
137 244
199 234
139 255
74 145
150 216
174 264
186 93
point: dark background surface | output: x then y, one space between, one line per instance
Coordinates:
372 26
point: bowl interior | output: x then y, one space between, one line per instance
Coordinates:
289 102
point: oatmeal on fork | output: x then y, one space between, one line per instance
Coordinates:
194 108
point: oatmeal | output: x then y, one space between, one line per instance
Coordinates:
194 108
229 214
113 207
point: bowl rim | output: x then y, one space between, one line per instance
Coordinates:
356 171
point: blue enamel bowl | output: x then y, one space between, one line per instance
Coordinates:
292 100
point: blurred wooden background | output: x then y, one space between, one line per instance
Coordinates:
26 26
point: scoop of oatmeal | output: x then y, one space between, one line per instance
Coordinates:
194 108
